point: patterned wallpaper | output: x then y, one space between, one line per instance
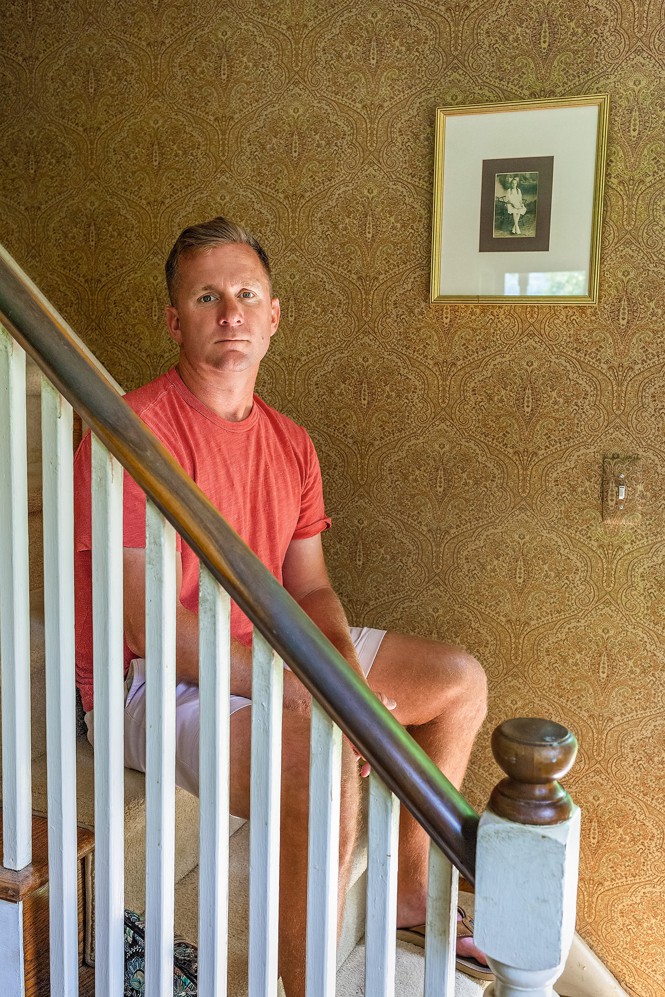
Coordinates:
461 446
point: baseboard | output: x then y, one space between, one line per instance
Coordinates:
585 975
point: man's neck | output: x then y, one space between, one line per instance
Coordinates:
230 395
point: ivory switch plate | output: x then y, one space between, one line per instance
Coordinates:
621 488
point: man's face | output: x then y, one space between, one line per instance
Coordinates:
224 315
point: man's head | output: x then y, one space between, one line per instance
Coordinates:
223 314
216 232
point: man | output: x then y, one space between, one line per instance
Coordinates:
261 471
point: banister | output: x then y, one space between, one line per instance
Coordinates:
444 813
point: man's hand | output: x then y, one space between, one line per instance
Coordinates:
389 704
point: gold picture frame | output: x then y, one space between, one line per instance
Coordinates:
518 195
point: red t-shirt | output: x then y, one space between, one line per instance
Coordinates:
262 474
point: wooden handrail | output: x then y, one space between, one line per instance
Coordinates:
402 764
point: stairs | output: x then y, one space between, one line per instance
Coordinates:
350 955
588 979
351 951
29 888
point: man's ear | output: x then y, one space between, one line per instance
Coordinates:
276 312
173 324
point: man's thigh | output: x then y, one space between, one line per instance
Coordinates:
416 673
368 644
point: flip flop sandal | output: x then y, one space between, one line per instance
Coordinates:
464 963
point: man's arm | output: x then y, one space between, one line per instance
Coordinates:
187 635
305 577
187 627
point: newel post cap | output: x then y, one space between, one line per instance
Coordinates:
534 754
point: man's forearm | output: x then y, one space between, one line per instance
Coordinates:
324 608
321 604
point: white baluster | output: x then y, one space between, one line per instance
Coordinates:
441 925
214 675
160 751
58 517
381 923
267 689
108 718
323 868
14 610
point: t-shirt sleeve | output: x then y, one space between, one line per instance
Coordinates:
312 518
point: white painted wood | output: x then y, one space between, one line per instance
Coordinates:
58 518
214 689
441 925
14 610
526 885
323 861
267 690
585 975
11 949
160 752
381 924
108 717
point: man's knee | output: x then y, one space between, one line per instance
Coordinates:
471 684
457 683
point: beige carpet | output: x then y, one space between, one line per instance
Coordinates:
409 969
186 910
409 975
350 977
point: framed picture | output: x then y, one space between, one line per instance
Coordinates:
518 193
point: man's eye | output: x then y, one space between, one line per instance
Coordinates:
206 298
247 294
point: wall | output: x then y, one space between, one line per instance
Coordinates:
461 446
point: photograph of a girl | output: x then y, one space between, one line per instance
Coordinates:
515 205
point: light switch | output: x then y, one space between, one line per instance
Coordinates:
620 489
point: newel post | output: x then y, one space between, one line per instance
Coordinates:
527 860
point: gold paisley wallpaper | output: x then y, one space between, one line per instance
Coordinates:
461 446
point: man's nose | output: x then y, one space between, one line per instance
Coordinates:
229 312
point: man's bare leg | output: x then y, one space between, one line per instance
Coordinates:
441 696
294 829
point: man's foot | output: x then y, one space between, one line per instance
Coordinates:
470 960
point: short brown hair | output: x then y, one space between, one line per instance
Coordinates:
215 232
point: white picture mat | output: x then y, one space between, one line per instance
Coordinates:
567 133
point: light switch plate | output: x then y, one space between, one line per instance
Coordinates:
621 488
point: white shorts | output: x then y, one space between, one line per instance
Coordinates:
366 641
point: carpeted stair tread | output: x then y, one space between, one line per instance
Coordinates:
187 820
186 909
409 975
351 958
